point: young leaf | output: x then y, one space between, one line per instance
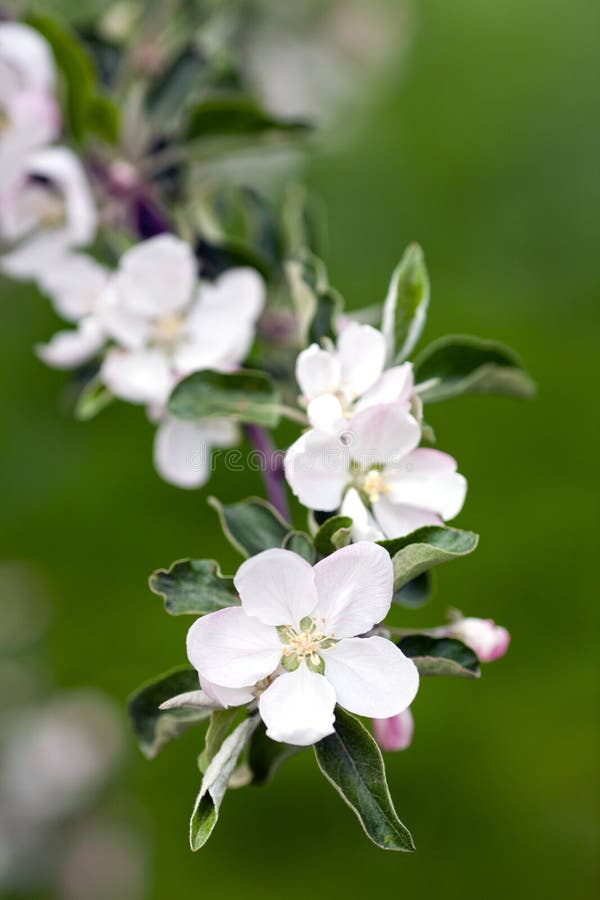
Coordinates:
193 587
440 656
333 534
300 543
414 593
351 760
231 115
425 548
460 364
251 525
405 306
221 724
214 784
154 727
246 396
307 280
266 756
328 307
93 399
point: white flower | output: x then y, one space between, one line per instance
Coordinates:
338 382
377 474
488 640
167 326
29 115
75 284
293 642
70 349
48 210
182 450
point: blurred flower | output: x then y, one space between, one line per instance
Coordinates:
488 640
48 209
104 861
395 733
292 642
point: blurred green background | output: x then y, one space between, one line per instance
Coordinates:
483 145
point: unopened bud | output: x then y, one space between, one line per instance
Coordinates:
395 733
488 640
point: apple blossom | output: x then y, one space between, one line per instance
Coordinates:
338 382
294 642
395 733
48 209
376 473
488 640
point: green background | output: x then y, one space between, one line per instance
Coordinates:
484 147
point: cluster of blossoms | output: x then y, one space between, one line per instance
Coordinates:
296 645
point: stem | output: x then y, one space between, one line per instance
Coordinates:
272 472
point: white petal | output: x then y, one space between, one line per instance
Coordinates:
232 649
129 329
317 372
227 696
364 526
26 55
371 676
62 167
361 351
395 386
316 467
157 276
31 120
298 708
398 519
382 434
69 349
182 450
238 293
74 284
325 413
428 479
277 586
355 586
139 376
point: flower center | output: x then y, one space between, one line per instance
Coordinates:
166 330
304 645
374 484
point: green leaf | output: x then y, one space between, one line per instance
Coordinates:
102 118
245 396
329 305
440 656
300 543
266 756
215 781
425 548
414 593
405 306
351 760
221 724
92 400
193 587
154 727
251 525
227 115
333 534
461 364
316 305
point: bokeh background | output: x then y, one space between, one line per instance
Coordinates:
481 142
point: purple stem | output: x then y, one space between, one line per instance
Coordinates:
272 470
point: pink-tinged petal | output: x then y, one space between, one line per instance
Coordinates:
364 526
238 293
371 676
316 467
317 372
182 450
395 386
382 434
428 479
69 349
26 60
227 696
298 708
277 587
488 640
139 376
325 413
156 277
232 649
75 284
398 519
354 586
361 351
395 733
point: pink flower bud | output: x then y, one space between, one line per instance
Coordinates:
488 640
395 733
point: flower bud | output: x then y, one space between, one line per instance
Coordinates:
395 733
488 640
